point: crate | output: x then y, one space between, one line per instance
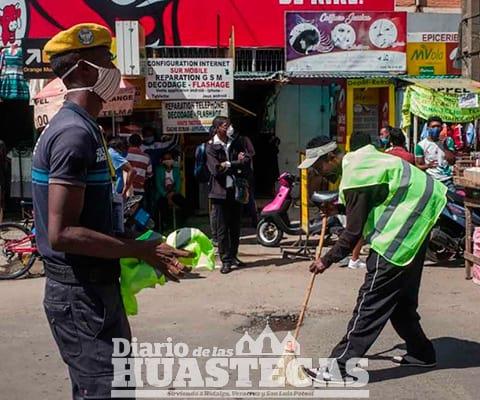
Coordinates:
462 164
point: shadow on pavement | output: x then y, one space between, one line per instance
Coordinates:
452 353
266 262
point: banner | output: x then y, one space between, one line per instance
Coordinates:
346 41
189 79
427 102
191 117
171 22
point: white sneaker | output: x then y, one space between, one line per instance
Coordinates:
356 264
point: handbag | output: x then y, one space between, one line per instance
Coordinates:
242 192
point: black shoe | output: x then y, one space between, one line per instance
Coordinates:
237 263
410 361
226 269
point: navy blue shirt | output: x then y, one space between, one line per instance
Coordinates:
70 152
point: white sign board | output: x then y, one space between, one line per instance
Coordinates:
191 117
469 100
189 79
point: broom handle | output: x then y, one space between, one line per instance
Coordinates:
308 292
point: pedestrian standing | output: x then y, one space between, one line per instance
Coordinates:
229 165
398 146
72 199
140 162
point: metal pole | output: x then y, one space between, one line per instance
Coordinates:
415 131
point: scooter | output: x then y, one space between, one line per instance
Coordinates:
275 222
447 239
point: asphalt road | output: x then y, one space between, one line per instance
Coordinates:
212 310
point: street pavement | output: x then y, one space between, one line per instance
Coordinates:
213 310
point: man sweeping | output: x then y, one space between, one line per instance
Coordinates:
393 205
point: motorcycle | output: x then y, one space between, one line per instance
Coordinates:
275 222
447 239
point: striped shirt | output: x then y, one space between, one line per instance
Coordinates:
142 165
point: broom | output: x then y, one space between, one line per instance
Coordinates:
288 368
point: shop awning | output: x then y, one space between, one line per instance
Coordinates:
447 83
336 75
258 76
50 99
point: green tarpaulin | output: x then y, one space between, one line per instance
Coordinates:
425 103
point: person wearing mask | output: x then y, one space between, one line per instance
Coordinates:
398 146
141 164
384 136
436 153
72 200
395 206
118 151
227 161
168 188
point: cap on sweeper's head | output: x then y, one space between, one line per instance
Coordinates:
78 37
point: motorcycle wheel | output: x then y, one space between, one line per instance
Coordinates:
438 254
269 234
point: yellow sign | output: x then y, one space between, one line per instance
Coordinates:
368 82
427 58
305 212
141 102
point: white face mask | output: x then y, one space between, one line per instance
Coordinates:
107 84
230 131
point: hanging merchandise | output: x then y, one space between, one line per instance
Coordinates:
13 85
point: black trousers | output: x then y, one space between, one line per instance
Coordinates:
388 293
84 319
228 218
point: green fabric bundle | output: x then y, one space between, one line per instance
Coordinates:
137 275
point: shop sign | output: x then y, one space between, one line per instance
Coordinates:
34 64
191 117
433 59
369 82
189 79
346 41
175 22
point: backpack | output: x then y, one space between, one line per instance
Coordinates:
201 172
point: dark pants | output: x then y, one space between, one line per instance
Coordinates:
84 319
388 293
166 212
213 223
228 215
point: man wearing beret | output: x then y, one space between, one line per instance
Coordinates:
72 194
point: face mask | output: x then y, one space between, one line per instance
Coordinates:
107 84
384 141
434 133
168 163
149 140
230 131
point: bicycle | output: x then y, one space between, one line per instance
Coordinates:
18 248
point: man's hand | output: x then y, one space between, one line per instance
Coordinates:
317 267
164 259
330 209
432 164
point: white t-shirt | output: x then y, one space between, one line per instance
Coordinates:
435 151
